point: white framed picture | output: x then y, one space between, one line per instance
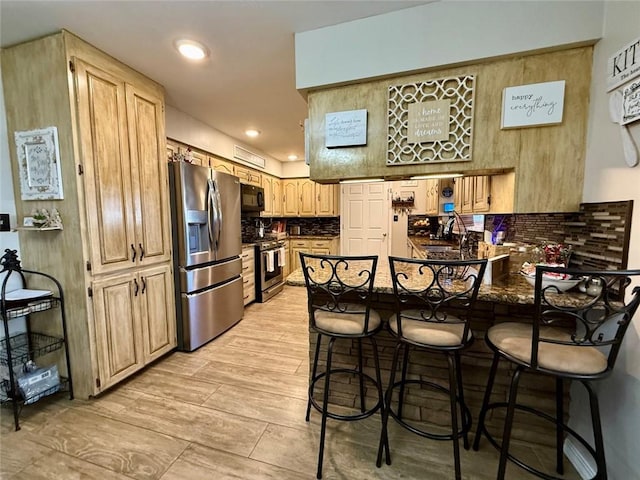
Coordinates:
630 103
39 164
533 105
345 129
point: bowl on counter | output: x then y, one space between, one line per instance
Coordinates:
562 285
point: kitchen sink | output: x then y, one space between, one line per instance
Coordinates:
440 248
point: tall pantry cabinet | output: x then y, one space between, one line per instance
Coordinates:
114 255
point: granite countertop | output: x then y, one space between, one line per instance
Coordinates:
313 237
512 289
420 241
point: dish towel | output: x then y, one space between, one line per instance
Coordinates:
281 260
270 263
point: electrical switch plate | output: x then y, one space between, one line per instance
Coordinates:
4 222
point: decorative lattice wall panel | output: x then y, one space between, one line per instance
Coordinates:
458 93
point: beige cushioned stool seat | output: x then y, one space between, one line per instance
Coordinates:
515 340
347 323
430 333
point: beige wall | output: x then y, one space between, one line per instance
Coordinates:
186 129
440 33
607 177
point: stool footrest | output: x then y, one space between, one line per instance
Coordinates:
350 417
466 413
545 416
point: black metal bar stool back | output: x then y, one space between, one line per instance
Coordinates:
339 295
575 337
434 300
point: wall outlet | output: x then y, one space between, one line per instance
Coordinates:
4 222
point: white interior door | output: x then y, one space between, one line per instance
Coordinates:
364 210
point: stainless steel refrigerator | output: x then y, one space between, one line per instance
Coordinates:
207 241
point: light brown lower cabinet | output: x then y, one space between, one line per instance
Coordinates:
248 275
314 246
133 321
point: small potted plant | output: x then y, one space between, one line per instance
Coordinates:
40 217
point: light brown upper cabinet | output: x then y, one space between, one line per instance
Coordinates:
307 194
306 198
197 158
220 165
327 200
272 196
485 194
481 199
291 200
172 150
433 196
124 181
248 175
473 194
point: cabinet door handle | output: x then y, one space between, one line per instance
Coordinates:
136 288
141 251
133 253
144 284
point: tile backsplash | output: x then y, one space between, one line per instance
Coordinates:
308 226
598 233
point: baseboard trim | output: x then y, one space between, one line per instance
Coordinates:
576 455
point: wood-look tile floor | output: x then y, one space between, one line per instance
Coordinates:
233 409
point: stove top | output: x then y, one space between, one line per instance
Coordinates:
265 243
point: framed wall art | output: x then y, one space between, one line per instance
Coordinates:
533 105
346 129
430 121
39 164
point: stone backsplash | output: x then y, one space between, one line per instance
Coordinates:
598 233
308 226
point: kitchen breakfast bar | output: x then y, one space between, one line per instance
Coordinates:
510 299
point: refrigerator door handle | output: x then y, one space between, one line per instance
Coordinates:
211 211
219 211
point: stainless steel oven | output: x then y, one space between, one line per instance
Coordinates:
270 261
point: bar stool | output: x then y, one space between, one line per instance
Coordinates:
573 337
339 294
434 300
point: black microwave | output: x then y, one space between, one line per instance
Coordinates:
251 199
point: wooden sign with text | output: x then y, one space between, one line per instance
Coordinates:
532 105
624 65
428 121
348 128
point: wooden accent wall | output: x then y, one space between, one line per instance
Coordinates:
548 161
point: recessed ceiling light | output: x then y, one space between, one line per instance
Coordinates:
191 49
293 158
252 132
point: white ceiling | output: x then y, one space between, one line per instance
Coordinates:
249 79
